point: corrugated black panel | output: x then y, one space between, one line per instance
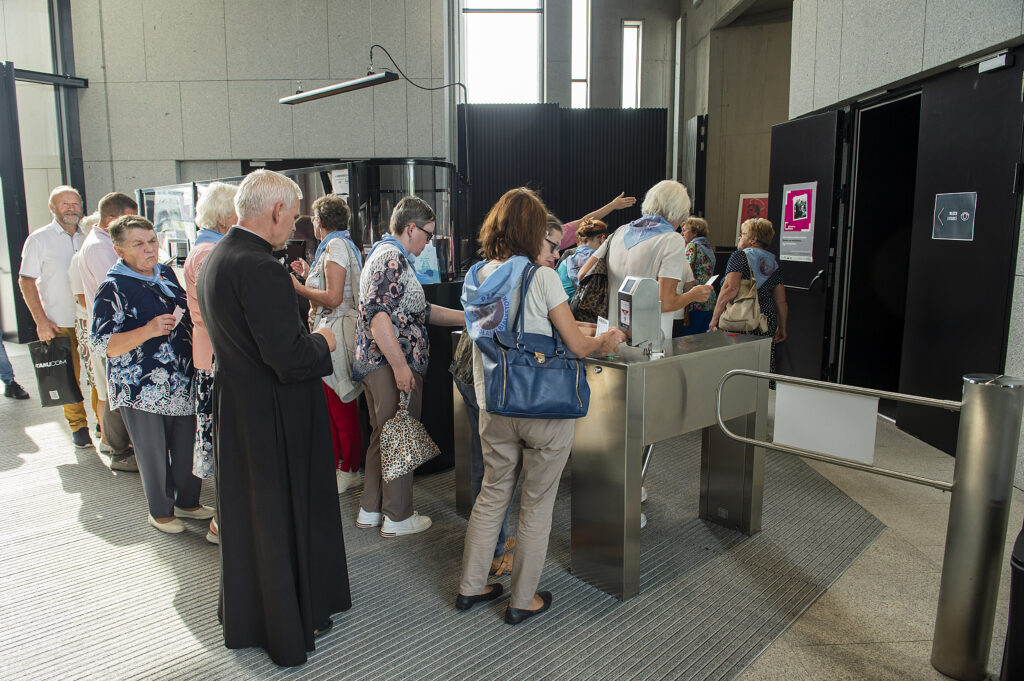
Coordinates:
605 152
577 159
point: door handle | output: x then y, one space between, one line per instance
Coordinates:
814 280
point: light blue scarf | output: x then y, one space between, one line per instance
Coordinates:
339 234
120 268
207 236
487 304
390 238
645 227
704 245
762 263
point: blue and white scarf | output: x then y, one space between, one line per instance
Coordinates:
704 245
339 234
207 236
645 227
120 268
391 239
762 264
486 305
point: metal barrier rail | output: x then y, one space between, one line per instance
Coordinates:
818 456
979 506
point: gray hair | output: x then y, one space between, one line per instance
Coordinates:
669 199
216 203
410 209
63 189
120 227
90 221
261 189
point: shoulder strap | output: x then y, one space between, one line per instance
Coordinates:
353 285
519 323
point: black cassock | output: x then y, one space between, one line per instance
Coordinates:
283 568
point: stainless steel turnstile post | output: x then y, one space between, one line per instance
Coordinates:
986 454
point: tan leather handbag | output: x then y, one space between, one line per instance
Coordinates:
743 313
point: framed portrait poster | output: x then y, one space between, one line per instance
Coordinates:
751 206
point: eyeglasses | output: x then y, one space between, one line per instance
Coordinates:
430 235
554 246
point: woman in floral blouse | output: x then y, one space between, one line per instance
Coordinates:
391 355
701 257
140 323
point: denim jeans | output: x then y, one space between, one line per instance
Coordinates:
477 458
7 375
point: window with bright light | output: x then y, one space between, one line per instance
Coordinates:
579 87
632 43
503 47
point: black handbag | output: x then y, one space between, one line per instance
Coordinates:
55 371
530 375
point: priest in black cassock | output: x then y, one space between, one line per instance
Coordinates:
283 568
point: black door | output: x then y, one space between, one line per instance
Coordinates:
809 150
958 291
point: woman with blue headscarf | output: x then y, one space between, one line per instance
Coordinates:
140 321
332 286
751 259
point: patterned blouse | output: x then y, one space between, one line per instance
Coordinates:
388 284
703 267
155 377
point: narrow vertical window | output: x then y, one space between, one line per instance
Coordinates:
632 43
579 88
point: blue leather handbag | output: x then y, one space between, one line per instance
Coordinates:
530 375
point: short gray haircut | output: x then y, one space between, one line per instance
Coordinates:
63 189
120 227
411 209
669 199
90 221
216 203
261 189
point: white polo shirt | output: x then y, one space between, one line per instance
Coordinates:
46 257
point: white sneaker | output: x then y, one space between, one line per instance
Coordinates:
173 527
643 494
365 519
104 448
201 513
643 520
411 525
347 480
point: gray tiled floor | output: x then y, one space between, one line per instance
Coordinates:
876 622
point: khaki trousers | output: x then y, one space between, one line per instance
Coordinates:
74 413
393 499
539 448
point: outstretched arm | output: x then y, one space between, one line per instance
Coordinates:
618 203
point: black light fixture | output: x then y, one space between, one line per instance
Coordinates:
369 80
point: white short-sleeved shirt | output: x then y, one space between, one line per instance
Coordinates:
545 294
98 257
340 253
686 278
660 256
46 257
75 281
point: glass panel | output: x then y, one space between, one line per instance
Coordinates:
173 213
40 148
630 66
502 4
579 95
580 30
503 58
26 34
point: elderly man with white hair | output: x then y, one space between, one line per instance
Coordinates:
283 567
43 279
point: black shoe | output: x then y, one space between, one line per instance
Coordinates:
323 628
99 431
81 437
467 602
16 391
517 615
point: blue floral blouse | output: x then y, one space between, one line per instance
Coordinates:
155 377
389 284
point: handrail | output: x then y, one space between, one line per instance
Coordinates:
818 456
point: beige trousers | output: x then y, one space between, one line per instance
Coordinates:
539 448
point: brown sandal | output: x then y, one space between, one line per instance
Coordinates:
502 565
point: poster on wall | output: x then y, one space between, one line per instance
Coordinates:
751 206
796 242
339 182
954 216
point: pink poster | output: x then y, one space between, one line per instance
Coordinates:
797 239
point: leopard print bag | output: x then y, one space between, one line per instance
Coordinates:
404 443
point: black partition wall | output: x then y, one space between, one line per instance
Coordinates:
577 159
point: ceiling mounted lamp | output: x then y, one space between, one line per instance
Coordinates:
369 80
